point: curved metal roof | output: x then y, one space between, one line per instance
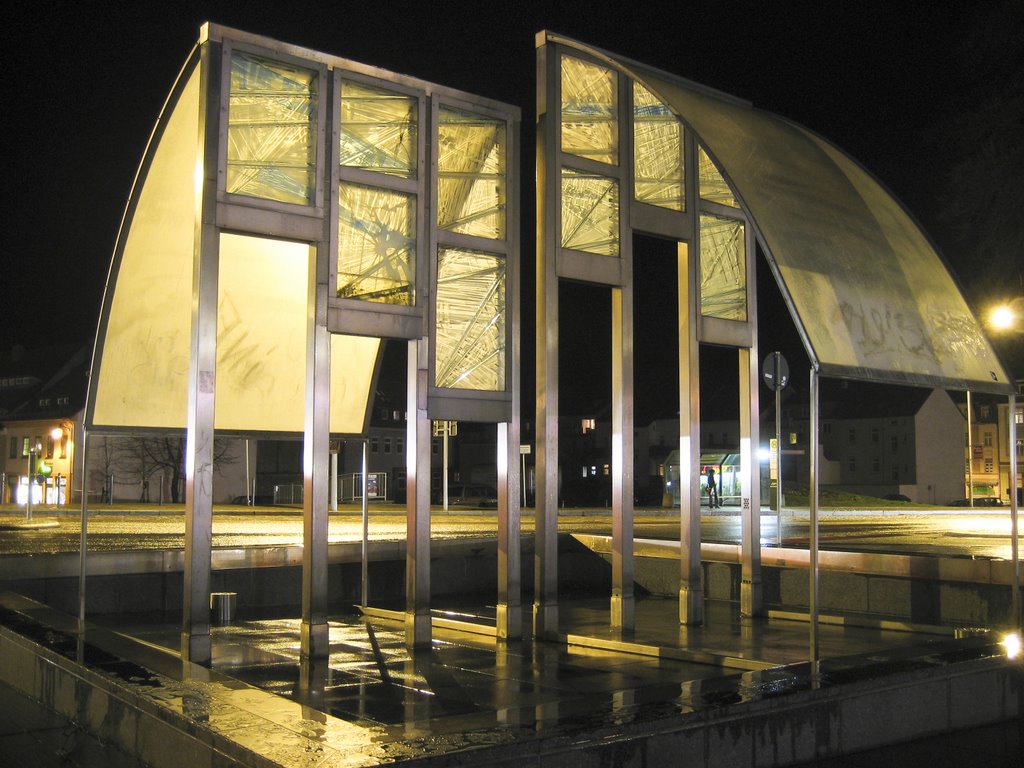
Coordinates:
869 294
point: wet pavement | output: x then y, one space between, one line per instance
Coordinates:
978 535
373 701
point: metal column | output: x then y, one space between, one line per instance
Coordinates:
1011 435
417 484
314 629
509 620
691 591
195 631
623 605
83 532
812 569
545 606
751 603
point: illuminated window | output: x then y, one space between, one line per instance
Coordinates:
588 425
988 465
49 447
271 118
376 245
658 175
590 212
470 320
378 130
723 265
64 447
25 446
590 123
713 186
471 174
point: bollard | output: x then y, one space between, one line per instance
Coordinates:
222 606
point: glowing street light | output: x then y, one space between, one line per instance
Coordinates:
1007 317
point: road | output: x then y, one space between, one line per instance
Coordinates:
982 535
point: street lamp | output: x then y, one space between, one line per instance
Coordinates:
1007 317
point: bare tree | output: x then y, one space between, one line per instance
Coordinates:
144 457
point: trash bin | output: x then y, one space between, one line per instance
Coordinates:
222 606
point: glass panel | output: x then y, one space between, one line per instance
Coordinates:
590 125
657 152
590 212
143 372
376 245
712 185
271 147
470 332
723 268
471 175
378 130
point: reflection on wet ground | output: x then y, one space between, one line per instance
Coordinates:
374 701
471 683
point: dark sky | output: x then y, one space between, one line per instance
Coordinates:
84 83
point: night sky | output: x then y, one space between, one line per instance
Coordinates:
885 81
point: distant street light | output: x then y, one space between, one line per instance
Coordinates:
1008 316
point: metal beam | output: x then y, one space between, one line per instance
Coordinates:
691 591
195 631
417 484
314 631
623 604
751 599
545 605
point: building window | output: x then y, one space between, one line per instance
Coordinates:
399 445
876 465
852 465
987 440
25 443
49 447
587 425
387 445
63 447
853 436
896 473
988 465
14 448
874 435
374 445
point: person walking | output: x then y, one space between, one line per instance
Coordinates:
713 501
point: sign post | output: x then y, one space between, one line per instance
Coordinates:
776 377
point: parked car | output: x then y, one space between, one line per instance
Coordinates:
979 501
478 496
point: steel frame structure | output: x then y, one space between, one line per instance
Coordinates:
315 223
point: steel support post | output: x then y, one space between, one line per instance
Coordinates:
691 590
750 486
364 552
83 534
314 629
623 604
812 570
1012 437
545 606
417 484
510 614
195 632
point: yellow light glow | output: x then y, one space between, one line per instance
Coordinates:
1012 645
1003 317
56 433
